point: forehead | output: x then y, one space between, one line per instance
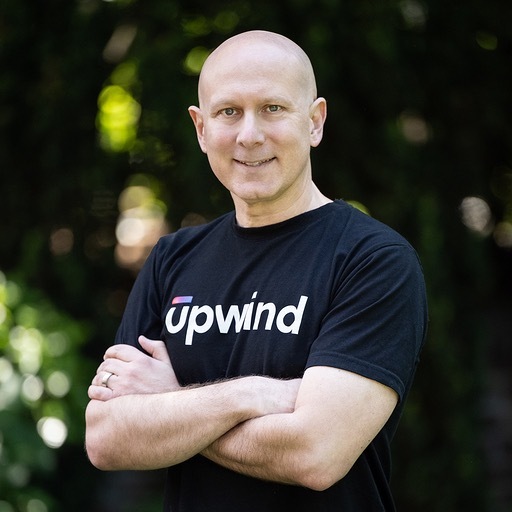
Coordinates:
253 70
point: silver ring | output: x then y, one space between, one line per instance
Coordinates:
104 380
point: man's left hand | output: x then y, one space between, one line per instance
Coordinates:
125 370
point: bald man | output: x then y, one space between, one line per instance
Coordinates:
265 357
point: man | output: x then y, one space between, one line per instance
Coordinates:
291 327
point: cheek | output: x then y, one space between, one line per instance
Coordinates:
220 161
218 154
216 137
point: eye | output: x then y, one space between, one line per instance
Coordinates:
274 108
228 112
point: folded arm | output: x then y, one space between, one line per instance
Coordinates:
337 415
153 431
305 432
145 420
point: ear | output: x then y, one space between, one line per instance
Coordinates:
197 118
317 114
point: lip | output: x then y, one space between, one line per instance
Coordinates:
254 163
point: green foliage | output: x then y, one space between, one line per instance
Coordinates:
43 393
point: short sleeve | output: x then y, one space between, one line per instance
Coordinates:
377 321
142 314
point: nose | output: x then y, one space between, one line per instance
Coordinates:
250 131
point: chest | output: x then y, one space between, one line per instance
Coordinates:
244 308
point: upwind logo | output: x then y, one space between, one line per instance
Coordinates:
200 319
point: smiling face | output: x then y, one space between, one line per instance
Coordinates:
258 119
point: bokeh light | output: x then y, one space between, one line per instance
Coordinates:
53 431
414 128
32 388
58 384
476 215
118 118
61 241
195 60
141 221
414 13
503 235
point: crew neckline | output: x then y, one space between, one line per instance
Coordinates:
286 225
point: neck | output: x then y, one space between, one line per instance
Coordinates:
266 213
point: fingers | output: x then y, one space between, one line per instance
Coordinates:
100 393
115 366
100 388
105 379
155 348
122 352
127 370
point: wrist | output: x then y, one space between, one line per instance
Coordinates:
261 396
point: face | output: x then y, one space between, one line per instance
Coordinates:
257 122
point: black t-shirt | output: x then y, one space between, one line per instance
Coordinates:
330 287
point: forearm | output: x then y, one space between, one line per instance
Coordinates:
273 447
336 415
160 430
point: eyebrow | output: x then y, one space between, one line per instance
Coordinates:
231 101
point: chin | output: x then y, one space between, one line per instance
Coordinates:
254 194
252 199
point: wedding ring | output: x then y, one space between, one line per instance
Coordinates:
104 380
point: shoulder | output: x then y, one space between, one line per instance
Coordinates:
362 232
193 234
373 251
178 244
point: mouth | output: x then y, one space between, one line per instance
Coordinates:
255 163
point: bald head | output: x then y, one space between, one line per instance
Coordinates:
257 120
258 48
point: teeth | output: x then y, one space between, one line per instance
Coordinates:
255 164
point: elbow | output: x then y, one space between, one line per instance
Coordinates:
97 454
319 481
94 456
321 473
96 442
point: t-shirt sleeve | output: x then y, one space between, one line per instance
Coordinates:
377 321
142 314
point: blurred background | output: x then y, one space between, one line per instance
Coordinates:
98 158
